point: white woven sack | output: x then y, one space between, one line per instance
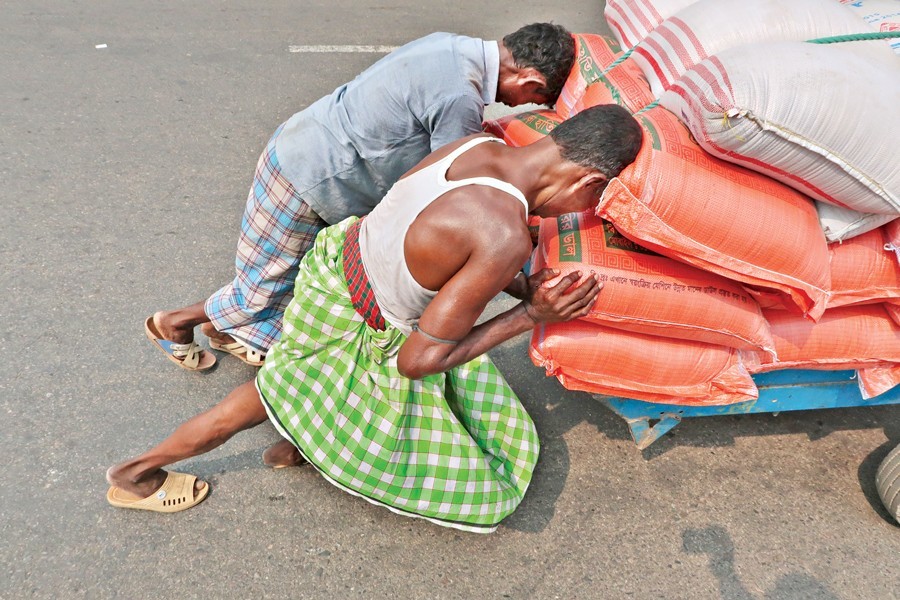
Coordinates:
881 15
821 118
707 27
841 224
631 20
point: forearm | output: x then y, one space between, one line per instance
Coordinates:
442 357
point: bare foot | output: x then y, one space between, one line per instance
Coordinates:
282 454
171 327
123 478
215 335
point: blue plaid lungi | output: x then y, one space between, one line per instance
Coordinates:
277 230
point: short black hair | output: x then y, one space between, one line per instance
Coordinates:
546 47
604 137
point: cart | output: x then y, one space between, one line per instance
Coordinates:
779 391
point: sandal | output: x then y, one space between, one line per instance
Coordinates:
187 356
239 351
175 494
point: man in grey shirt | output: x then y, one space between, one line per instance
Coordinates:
338 158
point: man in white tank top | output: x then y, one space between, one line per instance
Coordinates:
391 396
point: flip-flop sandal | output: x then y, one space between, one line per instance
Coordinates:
176 494
239 351
187 356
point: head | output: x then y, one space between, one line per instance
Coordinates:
598 142
535 61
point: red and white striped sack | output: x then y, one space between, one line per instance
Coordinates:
820 118
631 20
707 27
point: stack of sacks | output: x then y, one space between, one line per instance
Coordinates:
745 223
812 116
860 337
660 330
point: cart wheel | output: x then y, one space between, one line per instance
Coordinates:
887 480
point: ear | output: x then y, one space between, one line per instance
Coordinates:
591 179
530 79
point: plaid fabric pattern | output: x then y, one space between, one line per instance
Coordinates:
455 448
361 294
277 229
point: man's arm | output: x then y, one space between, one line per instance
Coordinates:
447 335
453 118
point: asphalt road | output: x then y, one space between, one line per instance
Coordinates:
124 170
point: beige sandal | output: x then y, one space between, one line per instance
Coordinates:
187 356
238 350
176 494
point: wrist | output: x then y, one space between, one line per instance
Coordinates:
525 307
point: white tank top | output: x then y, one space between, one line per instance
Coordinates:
382 233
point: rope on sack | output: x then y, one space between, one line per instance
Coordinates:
653 104
856 37
616 63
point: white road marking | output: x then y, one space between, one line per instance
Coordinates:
344 49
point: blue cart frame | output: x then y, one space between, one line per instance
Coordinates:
779 391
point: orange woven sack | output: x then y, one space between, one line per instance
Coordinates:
648 293
593 55
875 381
591 358
523 128
534 228
849 337
862 270
893 311
623 84
679 201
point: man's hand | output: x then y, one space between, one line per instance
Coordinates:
562 301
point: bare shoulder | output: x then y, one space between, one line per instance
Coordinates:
493 218
472 225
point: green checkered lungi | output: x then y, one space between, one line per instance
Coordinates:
455 448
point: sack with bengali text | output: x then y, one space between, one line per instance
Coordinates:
523 128
648 293
623 84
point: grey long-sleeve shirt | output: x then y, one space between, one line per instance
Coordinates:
345 151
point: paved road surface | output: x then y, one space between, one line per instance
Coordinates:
124 170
